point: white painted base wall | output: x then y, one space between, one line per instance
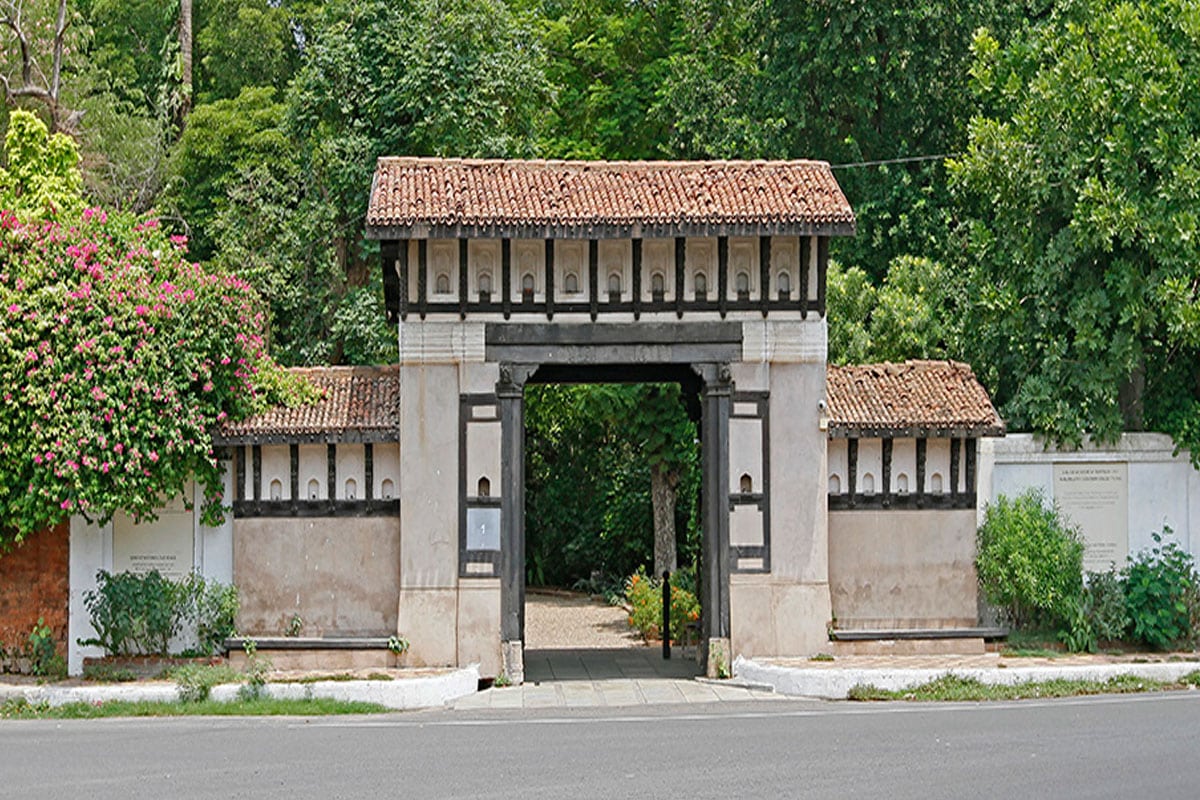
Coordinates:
1163 487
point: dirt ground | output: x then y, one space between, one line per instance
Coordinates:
574 620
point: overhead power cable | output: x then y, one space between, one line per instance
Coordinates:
905 160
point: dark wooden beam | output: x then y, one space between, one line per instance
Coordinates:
388 254
294 473
822 272
970 459
680 273
804 245
549 279
239 469
369 471
887 473
637 278
852 470
954 448
464 288
764 273
402 252
506 276
256 455
922 445
593 278
723 275
422 275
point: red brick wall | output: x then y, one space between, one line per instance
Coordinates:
34 582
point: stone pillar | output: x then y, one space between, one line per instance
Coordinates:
510 394
716 401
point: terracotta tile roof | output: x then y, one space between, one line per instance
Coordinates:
418 197
933 398
358 404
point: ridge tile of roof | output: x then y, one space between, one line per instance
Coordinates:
357 404
910 398
418 196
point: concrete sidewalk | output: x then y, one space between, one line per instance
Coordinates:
608 678
833 680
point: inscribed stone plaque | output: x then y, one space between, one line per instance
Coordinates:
1096 498
483 529
166 544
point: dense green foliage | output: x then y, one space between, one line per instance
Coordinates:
1056 250
588 458
1030 563
140 614
1081 179
1162 595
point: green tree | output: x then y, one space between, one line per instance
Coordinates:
41 174
862 82
118 356
1081 178
850 298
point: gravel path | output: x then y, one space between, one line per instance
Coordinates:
576 621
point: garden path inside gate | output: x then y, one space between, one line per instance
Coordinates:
582 653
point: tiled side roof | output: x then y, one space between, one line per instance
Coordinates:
931 398
357 404
416 197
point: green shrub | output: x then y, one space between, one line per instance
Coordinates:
213 608
133 613
1104 603
44 660
139 614
195 681
1030 562
1162 594
644 596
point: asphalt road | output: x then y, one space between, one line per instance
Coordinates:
1132 746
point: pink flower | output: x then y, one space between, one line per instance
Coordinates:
14 309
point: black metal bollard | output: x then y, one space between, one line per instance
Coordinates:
666 622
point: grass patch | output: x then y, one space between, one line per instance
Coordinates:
821 657
22 709
950 688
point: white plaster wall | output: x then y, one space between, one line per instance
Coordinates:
386 459
483 455
743 257
701 258
443 261
91 551
785 258
937 462
745 453
838 464
614 257
1164 489
276 466
658 255
904 462
570 258
351 465
483 258
214 546
870 463
314 466
528 258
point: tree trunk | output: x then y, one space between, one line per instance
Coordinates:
1130 396
663 483
185 61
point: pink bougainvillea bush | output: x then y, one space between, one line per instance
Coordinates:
118 357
